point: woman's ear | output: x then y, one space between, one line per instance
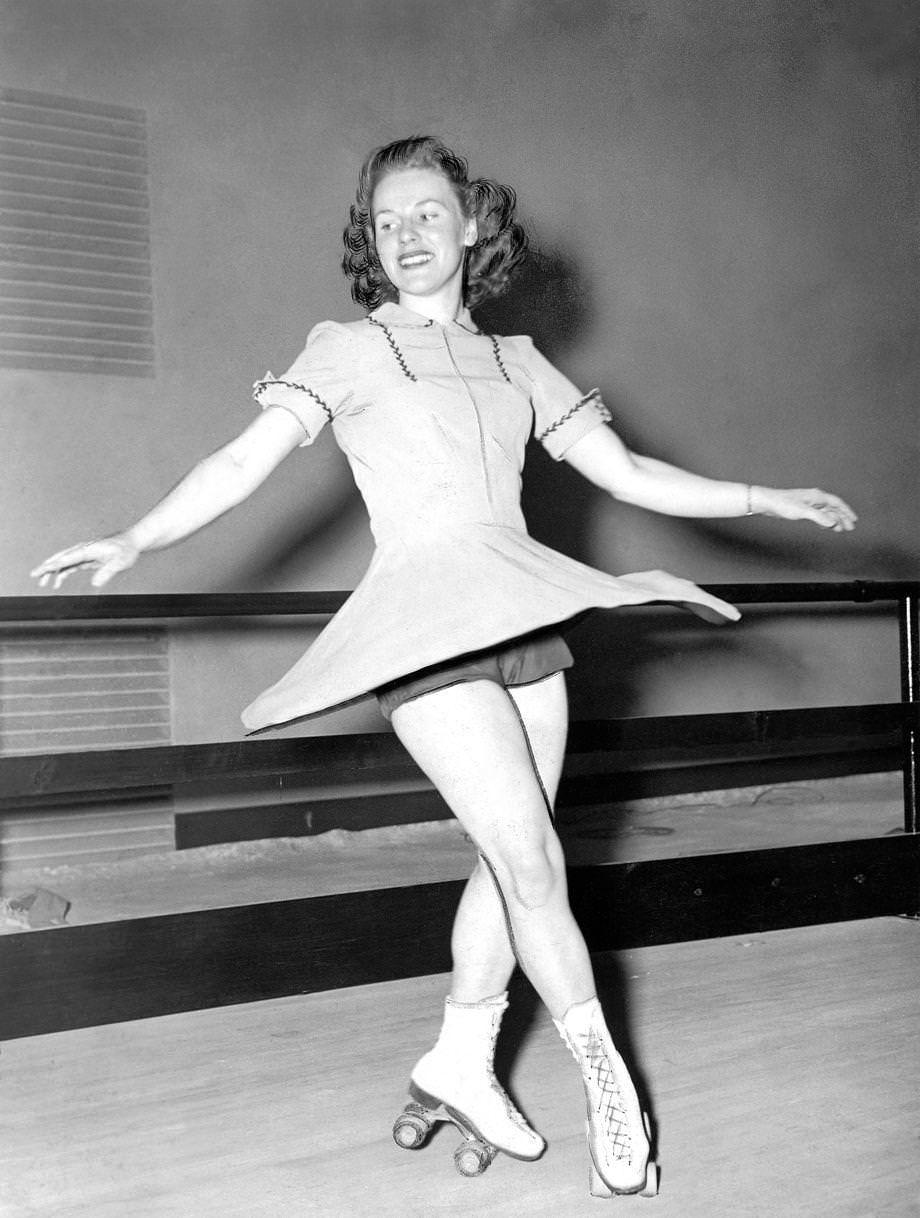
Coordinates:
471 232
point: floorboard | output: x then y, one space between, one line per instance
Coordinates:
783 1070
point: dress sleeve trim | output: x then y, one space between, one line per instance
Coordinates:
268 380
590 399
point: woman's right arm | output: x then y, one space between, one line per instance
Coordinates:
208 490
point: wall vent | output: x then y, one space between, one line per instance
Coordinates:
66 690
75 279
72 690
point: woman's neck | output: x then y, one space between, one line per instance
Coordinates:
442 309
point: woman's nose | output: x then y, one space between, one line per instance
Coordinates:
407 234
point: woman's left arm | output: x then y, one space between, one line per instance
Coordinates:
603 458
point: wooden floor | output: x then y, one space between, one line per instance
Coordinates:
784 1071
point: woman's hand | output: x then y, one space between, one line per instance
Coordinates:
105 558
828 511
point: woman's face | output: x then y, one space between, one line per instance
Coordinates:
421 233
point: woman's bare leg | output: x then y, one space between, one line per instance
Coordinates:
470 741
483 959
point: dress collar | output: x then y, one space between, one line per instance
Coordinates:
397 316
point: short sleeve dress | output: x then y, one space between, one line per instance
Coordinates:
433 420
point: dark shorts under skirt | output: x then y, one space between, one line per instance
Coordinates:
521 661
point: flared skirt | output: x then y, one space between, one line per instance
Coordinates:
421 603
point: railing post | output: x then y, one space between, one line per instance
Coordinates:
909 625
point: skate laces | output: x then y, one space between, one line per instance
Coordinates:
484 1070
518 1118
513 1114
608 1100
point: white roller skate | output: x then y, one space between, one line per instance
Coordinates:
617 1129
455 1082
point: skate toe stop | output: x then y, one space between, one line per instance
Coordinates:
651 1181
598 1186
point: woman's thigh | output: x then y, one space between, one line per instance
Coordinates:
470 740
544 711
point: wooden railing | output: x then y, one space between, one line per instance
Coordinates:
73 976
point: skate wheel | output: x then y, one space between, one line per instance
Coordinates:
411 1129
472 1158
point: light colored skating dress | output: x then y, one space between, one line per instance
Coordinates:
433 420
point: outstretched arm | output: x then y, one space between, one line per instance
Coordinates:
603 458
208 490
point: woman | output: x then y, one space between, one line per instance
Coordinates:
454 626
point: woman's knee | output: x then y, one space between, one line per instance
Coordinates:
530 877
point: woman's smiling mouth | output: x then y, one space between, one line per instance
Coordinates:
416 258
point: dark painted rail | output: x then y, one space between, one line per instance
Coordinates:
674 739
58 608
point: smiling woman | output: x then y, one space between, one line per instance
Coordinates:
455 627
422 236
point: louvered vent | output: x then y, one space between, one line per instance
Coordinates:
67 690
75 282
76 689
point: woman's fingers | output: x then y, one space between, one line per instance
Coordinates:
831 512
56 568
57 577
54 563
820 507
61 575
105 557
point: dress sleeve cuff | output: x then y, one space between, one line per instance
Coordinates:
303 403
586 414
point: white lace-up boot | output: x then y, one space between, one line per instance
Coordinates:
618 1131
456 1078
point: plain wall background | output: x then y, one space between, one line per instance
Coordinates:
723 197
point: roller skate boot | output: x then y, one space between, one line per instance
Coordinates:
455 1082
617 1129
